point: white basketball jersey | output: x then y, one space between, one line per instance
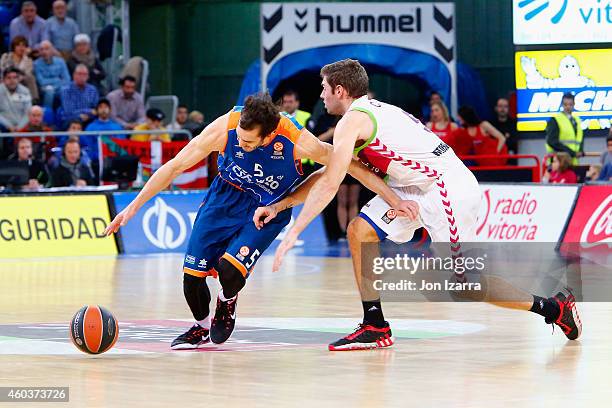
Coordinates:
402 148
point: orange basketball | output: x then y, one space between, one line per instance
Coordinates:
94 329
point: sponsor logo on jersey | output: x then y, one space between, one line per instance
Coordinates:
202 263
240 155
190 259
389 216
244 250
278 146
442 148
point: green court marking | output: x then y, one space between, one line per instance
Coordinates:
7 338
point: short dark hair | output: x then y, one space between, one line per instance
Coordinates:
182 105
75 122
349 74
568 95
469 116
609 137
259 110
500 98
291 92
19 39
127 78
103 101
11 70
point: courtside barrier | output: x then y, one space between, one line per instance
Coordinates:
33 226
164 223
591 221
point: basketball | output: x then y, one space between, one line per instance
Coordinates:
94 330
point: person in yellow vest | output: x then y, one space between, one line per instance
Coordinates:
154 118
564 131
291 105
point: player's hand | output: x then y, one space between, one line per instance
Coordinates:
287 243
120 220
264 215
408 209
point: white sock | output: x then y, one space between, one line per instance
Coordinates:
205 324
223 299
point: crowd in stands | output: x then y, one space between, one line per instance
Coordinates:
52 80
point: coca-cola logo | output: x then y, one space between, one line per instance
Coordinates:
598 229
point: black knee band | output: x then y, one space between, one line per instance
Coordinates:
197 296
230 277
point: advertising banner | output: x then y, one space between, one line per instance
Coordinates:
292 28
591 221
561 21
542 77
164 224
524 213
42 226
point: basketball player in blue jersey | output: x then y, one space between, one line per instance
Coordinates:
259 164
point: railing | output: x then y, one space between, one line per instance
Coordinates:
535 168
98 134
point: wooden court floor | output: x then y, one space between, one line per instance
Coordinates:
446 355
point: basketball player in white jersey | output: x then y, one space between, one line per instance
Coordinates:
423 171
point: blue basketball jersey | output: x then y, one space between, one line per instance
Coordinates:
269 172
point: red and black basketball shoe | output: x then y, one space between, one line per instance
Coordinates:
568 319
191 339
224 321
365 337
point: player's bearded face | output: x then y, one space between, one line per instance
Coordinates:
249 140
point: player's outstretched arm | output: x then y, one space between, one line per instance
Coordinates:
346 134
212 138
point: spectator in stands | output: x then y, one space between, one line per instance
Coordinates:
28 25
83 54
18 58
79 99
71 170
51 74
561 171
195 123
606 173
593 172
153 122
182 115
35 124
486 140
564 131
291 105
61 29
102 123
127 105
15 101
35 121
39 175
182 120
606 157
433 97
506 125
440 122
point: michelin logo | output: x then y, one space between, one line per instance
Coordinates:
569 75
